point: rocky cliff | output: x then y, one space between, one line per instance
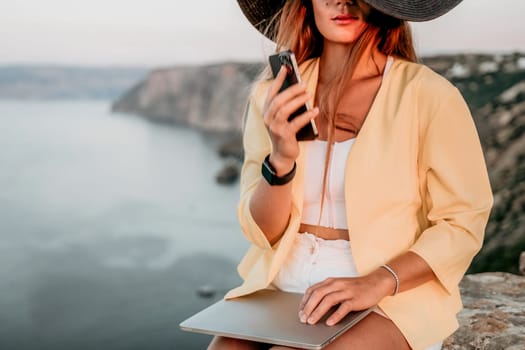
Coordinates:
209 98
212 98
493 317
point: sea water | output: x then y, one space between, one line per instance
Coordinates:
100 216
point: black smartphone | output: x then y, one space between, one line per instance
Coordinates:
287 59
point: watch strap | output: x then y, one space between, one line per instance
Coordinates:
270 175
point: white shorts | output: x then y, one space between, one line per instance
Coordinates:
312 260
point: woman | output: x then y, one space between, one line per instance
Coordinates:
389 205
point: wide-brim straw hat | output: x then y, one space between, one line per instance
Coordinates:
260 12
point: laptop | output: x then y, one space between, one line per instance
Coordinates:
268 316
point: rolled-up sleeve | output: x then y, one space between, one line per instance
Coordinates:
257 145
456 191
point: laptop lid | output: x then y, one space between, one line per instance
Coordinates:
268 316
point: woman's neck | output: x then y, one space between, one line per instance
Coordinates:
370 64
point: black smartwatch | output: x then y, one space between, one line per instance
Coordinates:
270 175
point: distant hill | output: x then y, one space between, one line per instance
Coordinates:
208 98
212 98
66 82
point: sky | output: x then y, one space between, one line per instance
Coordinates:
157 33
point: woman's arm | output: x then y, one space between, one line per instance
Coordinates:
270 206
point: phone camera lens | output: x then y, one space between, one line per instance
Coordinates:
285 61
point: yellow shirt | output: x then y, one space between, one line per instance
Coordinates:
415 180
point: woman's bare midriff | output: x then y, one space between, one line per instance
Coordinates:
323 232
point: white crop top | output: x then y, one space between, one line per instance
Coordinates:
333 214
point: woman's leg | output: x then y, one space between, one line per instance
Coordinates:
224 343
373 332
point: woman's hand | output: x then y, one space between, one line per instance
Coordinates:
350 294
277 109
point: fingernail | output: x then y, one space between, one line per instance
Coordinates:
311 320
302 317
330 323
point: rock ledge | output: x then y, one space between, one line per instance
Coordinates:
493 316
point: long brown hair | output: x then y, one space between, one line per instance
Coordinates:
295 29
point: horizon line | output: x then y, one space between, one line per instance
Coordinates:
160 65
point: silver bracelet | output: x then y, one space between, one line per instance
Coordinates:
396 278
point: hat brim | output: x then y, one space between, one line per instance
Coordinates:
413 10
260 12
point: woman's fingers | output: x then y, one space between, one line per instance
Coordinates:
291 105
310 290
319 299
298 122
276 118
327 303
344 308
348 293
277 83
273 92
276 99
287 102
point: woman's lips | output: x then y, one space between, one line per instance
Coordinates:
344 19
